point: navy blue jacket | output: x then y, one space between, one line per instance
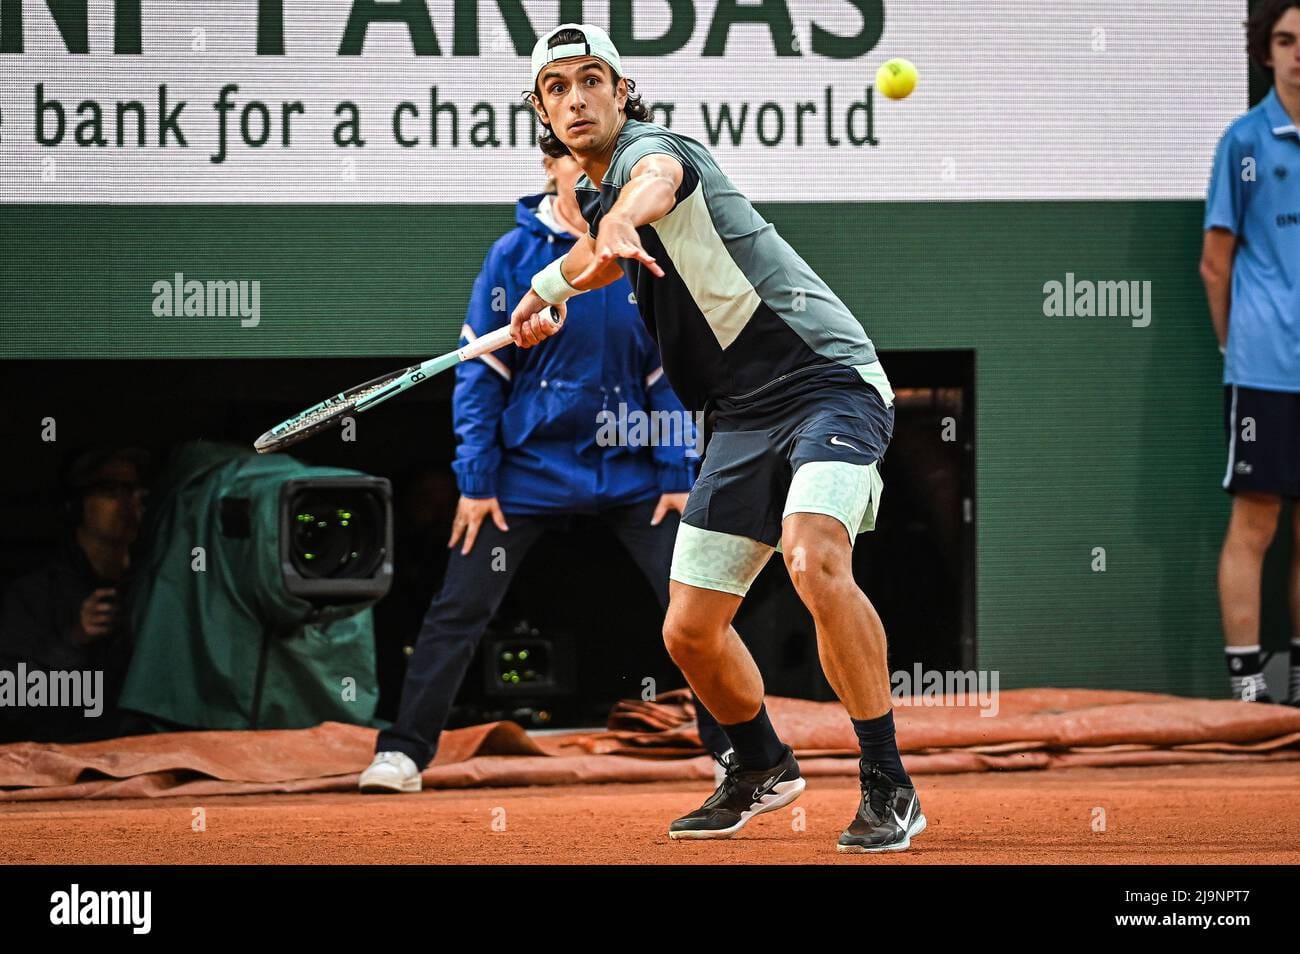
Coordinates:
528 420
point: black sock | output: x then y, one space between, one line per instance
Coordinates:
1245 674
880 745
711 735
1295 670
756 743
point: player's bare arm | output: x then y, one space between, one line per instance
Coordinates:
527 326
527 322
577 264
648 196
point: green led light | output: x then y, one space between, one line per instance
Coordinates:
523 654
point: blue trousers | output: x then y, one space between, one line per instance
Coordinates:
472 590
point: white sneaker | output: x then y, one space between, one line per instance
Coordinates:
390 772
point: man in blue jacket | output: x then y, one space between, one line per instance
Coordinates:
532 451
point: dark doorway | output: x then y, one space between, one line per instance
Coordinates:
598 614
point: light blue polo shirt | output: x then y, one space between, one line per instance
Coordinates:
1255 194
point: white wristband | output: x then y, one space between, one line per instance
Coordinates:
551 285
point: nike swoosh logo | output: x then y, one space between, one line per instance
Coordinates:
839 443
898 821
766 787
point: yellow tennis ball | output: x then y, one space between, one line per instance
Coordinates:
896 78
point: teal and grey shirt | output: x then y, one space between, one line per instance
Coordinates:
740 317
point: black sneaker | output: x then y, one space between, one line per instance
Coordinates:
888 817
741 795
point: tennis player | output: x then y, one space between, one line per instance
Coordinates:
802 411
527 462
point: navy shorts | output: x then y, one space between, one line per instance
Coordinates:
1263 431
751 458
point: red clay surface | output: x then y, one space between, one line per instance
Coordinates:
1223 814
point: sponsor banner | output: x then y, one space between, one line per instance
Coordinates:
340 101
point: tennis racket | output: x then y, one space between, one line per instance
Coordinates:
363 397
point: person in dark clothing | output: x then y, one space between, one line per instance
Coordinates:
63 623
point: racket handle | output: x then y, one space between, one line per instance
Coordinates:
494 340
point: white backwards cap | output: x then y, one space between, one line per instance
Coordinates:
595 42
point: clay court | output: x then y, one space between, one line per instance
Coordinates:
1056 777
1184 814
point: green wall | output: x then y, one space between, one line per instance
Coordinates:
1091 432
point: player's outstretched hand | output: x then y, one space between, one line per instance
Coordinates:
616 238
530 322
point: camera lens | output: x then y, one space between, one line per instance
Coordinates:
336 534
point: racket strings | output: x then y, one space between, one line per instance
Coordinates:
330 411
331 408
